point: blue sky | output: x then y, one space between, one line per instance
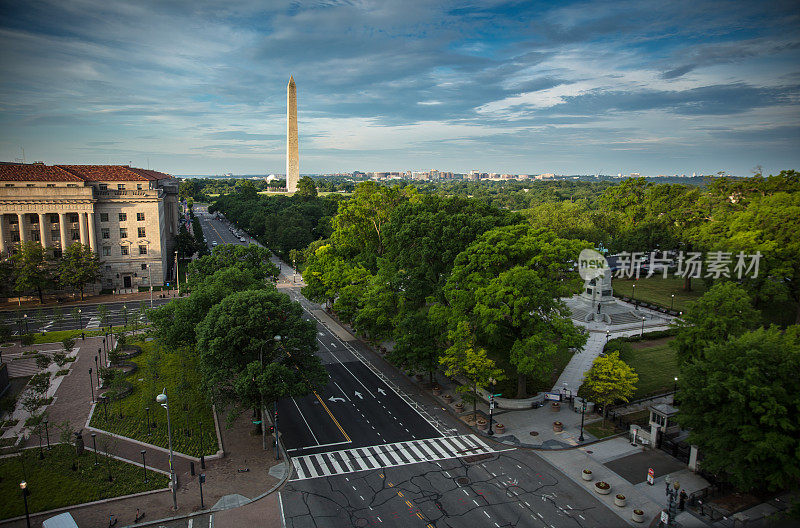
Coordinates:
194 87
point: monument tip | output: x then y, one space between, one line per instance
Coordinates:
291 79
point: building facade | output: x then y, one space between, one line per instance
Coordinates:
128 216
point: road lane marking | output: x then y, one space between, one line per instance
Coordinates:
306 421
343 392
332 417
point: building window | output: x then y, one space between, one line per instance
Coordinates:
33 219
104 217
73 217
53 218
51 184
108 268
35 235
103 186
9 185
143 250
31 185
141 232
120 186
123 233
13 219
138 186
123 217
144 267
140 217
123 250
76 235
15 236
106 251
105 232
72 185
55 235
57 253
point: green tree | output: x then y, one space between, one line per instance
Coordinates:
102 312
78 267
509 284
464 359
176 322
254 258
724 310
306 187
32 268
241 329
741 402
609 380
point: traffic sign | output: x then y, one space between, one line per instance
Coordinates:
256 422
651 474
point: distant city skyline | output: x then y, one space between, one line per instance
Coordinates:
518 88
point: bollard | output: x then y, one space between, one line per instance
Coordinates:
191 468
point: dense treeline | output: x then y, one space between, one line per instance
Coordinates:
281 223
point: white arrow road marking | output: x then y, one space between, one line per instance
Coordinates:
360 397
335 399
382 391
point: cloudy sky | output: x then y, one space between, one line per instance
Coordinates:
199 87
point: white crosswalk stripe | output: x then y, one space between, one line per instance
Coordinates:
387 455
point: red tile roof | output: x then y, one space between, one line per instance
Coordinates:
76 173
35 172
113 173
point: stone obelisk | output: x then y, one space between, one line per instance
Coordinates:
292 155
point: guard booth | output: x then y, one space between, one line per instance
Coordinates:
662 423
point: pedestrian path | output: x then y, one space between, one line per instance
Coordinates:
387 455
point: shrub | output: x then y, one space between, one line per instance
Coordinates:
5 332
27 339
60 358
43 361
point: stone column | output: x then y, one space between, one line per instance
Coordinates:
62 224
83 229
2 234
23 235
43 229
92 236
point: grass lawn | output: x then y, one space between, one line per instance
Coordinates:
59 335
187 407
53 484
656 290
508 386
597 430
655 363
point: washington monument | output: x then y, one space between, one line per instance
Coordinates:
292 155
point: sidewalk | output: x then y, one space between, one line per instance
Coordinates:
9 305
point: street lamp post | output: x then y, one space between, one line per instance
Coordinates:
47 432
162 399
277 340
91 383
26 322
642 334
675 391
147 418
144 465
97 370
202 453
94 445
608 334
583 413
491 407
80 319
200 481
633 293
100 355
672 302
24 487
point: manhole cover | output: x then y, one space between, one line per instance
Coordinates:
462 481
534 433
361 522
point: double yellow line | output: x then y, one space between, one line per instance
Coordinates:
332 417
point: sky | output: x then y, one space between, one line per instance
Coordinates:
199 87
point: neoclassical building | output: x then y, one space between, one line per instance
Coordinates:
128 216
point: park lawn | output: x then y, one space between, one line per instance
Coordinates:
598 430
655 363
53 484
188 409
535 384
656 290
59 335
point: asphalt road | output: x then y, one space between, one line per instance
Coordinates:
68 317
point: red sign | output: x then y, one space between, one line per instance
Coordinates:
650 476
